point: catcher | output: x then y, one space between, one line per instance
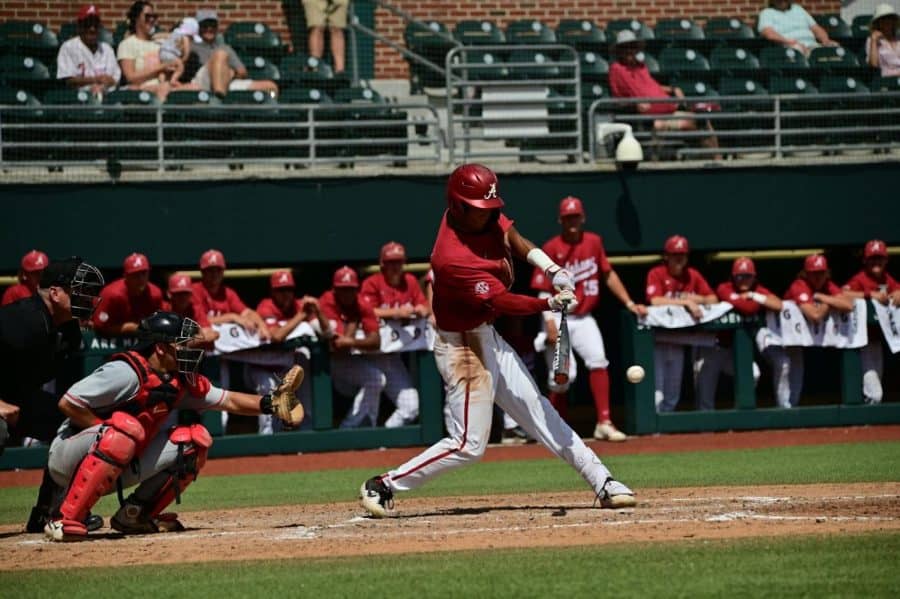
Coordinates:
133 421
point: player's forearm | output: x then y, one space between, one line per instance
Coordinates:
242 404
513 304
614 284
279 334
838 302
814 313
370 342
662 300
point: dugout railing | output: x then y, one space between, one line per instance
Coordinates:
641 417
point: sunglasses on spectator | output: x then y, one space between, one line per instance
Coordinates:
149 16
208 24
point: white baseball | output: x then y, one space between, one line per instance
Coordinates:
634 374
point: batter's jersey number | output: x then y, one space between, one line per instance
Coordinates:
591 287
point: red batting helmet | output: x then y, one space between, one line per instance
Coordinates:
472 184
743 266
676 244
570 205
815 263
36 260
875 247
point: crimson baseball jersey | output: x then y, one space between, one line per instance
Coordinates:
224 301
192 311
380 294
802 293
274 316
361 314
661 284
586 260
865 283
469 270
116 307
15 293
747 307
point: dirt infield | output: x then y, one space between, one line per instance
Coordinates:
523 520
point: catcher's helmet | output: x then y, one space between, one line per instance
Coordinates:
472 184
184 333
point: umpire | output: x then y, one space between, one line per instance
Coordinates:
38 335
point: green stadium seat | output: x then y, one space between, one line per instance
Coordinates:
182 131
259 108
309 95
26 72
260 68
743 86
783 61
639 28
886 84
681 32
429 40
734 62
839 84
494 65
27 38
536 58
583 35
860 28
119 33
71 96
676 62
479 33
318 96
727 29
783 84
695 88
593 67
254 39
529 32
650 61
836 27
839 61
302 70
70 30
370 105
27 112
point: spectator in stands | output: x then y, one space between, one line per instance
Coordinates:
221 303
787 23
139 55
32 265
674 283
396 295
177 46
125 301
221 70
748 297
330 13
353 326
873 283
84 61
181 301
630 78
882 47
816 296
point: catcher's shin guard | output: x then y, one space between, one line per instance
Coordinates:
97 474
193 446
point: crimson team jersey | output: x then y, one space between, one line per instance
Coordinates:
469 270
116 307
274 316
192 311
380 294
586 260
15 293
661 284
361 315
223 302
863 282
802 293
747 307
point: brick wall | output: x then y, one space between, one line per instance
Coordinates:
388 62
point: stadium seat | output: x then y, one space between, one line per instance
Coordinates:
479 33
836 27
27 38
259 108
650 61
28 111
734 62
640 29
26 72
838 61
184 132
583 35
593 67
695 88
258 68
309 95
537 58
529 32
675 62
429 40
839 84
70 30
680 32
254 39
782 61
313 95
119 34
782 84
860 28
727 29
70 96
302 70
494 65
742 86
120 106
370 105
886 84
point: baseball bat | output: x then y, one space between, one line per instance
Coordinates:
561 355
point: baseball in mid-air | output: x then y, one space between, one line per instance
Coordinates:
634 374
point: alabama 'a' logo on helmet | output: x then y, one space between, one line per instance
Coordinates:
283 278
491 193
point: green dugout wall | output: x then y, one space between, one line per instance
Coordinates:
291 221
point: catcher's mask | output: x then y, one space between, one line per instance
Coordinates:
81 281
183 333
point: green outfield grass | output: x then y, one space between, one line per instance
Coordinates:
862 462
834 566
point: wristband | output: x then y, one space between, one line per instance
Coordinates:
757 297
629 304
539 259
265 404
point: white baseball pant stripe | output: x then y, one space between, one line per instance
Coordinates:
586 340
787 374
480 368
709 363
871 359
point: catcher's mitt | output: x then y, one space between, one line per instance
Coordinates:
285 404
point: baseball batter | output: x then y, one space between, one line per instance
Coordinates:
394 294
581 253
873 283
748 297
674 283
126 424
472 262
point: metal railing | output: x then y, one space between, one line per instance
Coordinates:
537 103
777 125
163 136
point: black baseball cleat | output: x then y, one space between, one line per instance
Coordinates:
40 517
377 498
515 436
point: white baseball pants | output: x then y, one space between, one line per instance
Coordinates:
787 374
480 368
668 363
365 377
709 363
871 358
585 339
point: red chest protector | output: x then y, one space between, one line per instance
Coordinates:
158 396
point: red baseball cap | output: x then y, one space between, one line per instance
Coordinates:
87 11
212 259
136 263
676 244
570 205
282 279
876 247
34 260
180 283
743 266
345 277
392 251
815 263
